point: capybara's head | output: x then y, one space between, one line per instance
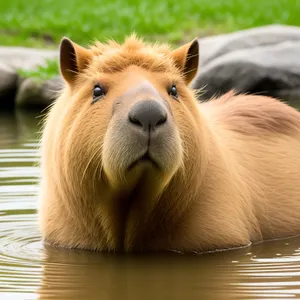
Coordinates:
129 107
126 123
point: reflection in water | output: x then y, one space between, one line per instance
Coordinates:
31 270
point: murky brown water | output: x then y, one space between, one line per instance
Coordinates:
28 270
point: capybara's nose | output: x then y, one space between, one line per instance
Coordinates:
148 114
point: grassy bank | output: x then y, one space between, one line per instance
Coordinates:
42 23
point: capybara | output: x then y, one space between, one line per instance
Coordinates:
131 162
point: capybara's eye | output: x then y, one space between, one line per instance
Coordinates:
173 91
98 93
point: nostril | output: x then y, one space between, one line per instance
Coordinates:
134 120
162 120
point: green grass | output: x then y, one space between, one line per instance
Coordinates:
49 70
42 23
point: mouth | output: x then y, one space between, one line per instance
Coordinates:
146 158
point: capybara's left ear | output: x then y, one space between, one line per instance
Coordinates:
186 59
73 59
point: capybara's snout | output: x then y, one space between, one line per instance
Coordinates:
148 115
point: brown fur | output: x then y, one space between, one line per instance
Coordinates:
230 166
266 115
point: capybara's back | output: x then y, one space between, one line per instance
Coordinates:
132 162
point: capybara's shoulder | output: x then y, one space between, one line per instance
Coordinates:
254 114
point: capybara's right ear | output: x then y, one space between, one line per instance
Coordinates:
73 59
186 59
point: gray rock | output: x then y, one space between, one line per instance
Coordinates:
272 68
8 86
34 93
15 90
25 58
215 46
264 60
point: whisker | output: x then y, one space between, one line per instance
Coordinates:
86 168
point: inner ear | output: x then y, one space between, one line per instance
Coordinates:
73 59
186 59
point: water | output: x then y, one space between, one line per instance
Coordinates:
29 270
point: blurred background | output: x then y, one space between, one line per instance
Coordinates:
42 23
